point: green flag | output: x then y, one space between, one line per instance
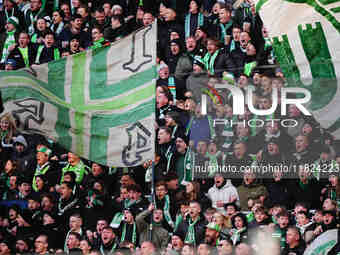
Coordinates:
305 36
99 104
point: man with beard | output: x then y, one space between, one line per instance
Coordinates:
212 233
192 229
185 62
109 242
149 224
222 192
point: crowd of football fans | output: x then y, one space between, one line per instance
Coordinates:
220 183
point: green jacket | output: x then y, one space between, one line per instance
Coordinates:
160 236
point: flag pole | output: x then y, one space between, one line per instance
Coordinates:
153 199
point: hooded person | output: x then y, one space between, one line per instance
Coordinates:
8 39
176 49
222 192
182 158
23 155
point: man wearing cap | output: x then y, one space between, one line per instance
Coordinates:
182 159
212 233
10 10
8 39
44 167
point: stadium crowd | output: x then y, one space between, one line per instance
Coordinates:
213 187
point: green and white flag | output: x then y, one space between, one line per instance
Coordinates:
323 243
306 36
99 104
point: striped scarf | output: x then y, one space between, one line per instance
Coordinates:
200 21
190 237
10 40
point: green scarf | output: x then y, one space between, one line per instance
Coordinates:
179 219
10 40
248 68
134 235
39 171
213 162
97 44
236 236
112 249
118 218
166 211
24 54
172 87
224 29
56 54
190 237
200 21
209 61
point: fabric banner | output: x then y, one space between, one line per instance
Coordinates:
323 243
99 104
305 35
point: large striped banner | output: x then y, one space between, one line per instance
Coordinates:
306 36
99 104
